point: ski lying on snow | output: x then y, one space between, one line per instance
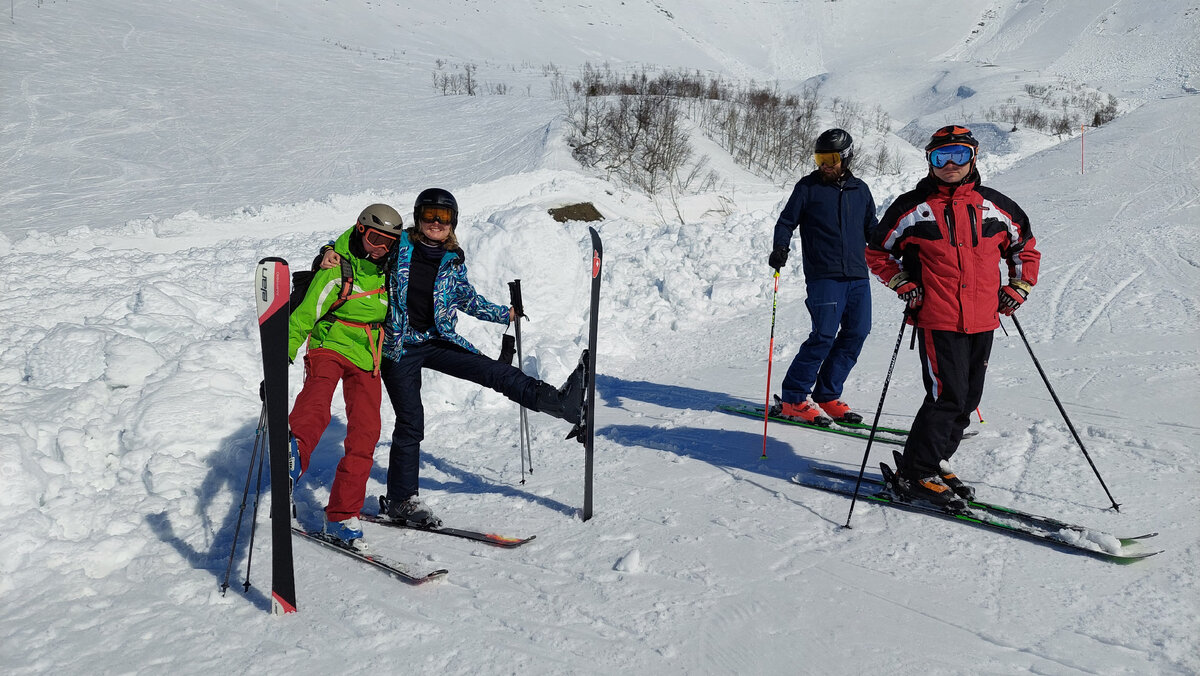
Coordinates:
1083 541
844 429
478 536
999 510
396 570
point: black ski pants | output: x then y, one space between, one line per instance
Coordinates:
953 366
403 382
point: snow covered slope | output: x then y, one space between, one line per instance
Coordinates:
152 152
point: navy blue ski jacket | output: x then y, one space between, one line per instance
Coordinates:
835 222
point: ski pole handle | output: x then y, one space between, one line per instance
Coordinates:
514 295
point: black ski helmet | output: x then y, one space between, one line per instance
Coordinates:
436 197
836 141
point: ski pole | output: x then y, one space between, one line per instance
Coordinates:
262 421
514 292
981 420
1063 411
878 411
770 354
262 461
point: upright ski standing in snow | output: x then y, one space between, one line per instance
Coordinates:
585 430
271 292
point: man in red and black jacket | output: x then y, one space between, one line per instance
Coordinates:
939 247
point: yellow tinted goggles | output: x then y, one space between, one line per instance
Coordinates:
436 214
830 159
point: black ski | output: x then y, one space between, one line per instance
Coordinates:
843 484
271 282
396 570
856 432
478 536
585 430
998 510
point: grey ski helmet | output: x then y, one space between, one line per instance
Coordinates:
377 229
383 218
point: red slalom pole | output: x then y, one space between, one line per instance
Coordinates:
770 354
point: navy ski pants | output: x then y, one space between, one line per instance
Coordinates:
953 366
841 320
402 379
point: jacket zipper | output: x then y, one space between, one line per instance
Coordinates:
949 215
841 222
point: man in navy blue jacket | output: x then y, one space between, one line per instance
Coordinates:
835 214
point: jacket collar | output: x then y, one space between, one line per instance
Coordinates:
932 185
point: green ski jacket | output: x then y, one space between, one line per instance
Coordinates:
355 328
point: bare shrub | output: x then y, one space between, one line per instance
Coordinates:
461 83
1056 109
640 140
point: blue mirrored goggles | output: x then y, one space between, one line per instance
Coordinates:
958 153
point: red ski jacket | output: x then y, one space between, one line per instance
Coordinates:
950 240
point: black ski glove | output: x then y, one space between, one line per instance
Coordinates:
1011 297
508 349
778 257
909 291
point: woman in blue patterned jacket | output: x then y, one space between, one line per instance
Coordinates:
427 285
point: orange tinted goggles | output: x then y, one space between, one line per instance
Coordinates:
831 159
436 214
376 238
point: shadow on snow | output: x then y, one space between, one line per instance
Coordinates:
732 450
235 469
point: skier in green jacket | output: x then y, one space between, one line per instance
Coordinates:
341 320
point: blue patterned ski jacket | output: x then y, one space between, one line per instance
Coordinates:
452 291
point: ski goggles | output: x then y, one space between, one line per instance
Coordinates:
377 243
831 159
958 153
436 214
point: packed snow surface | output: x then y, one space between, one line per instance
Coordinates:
153 152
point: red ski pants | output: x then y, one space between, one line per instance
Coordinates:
323 369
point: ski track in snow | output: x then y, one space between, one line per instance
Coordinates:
1103 306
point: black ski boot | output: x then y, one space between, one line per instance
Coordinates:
930 489
962 490
573 389
411 512
565 403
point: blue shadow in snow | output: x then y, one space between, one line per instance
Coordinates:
612 391
729 449
469 482
238 466
325 457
